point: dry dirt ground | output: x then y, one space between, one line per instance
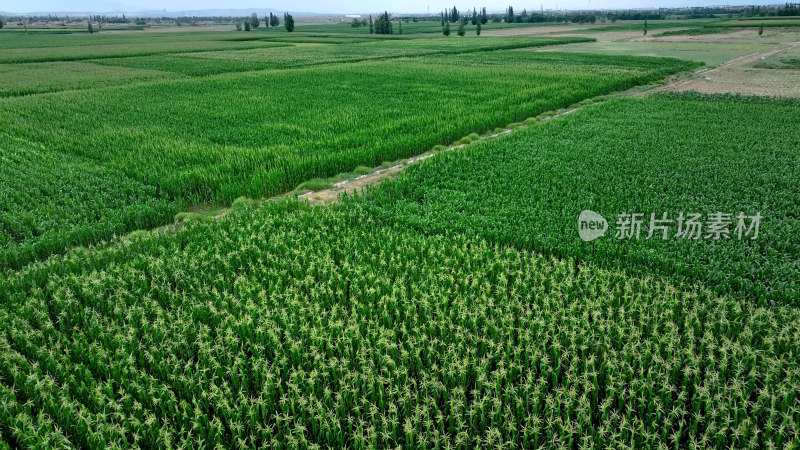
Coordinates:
739 77
745 36
604 36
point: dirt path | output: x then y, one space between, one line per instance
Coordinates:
376 177
373 178
736 76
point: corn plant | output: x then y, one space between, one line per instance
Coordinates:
295 327
635 156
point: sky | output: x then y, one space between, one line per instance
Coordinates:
344 6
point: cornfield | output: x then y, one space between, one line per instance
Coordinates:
289 328
668 154
285 57
213 139
50 203
452 308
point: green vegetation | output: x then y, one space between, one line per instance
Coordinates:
761 21
50 202
215 62
785 59
409 28
455 307
696 31
36 78
639 25
314 184
84 52
383 25
673 154
213 139
288 22
289 327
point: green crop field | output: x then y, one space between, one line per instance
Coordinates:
83 52
248 134
786 59
50 202
38 78
215 62
46 40
765 21
306 328
165 281
635 156
422 27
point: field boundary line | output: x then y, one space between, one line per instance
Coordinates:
355 185
376 177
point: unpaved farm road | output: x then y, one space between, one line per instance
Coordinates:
737 76
371 179
376 177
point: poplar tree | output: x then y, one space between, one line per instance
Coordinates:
288 22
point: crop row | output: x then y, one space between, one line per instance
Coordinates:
50 202
48 39
675 155
262 133
215 62
217 138
38 78
318 328
152 47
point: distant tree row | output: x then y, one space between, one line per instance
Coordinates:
454 16
790 9
288 22
524 17
273 21
384 24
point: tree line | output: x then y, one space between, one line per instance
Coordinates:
273 21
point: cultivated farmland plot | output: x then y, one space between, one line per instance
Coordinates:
458 306
294 327
258 134
50 202
38 78
670 154
83 52
288 56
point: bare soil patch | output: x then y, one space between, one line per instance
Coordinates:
738 77
721 37
744 80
